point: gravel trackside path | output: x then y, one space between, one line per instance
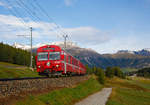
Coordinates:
99 98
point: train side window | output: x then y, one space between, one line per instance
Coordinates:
76 63
64 57
73 61
69 59
54 55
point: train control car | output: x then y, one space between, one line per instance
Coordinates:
53 60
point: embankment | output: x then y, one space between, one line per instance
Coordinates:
19 87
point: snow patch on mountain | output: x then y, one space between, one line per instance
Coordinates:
21 46
72 45
61 44
126 51
147 49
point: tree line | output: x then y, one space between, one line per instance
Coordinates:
143 72
14 55
109 72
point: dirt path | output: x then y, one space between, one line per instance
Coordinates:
99 98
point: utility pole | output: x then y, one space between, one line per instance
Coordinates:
30 45
65 57
31 48
65 39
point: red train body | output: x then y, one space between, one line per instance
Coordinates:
52 60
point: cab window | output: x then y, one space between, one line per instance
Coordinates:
42 56
54 55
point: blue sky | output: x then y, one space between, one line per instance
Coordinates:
103 25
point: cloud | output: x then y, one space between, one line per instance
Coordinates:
128 42
15 24
69 2
88 35
4 5
12 26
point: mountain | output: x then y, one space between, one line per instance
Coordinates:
123 58
27 47
143 52
125 51
21 46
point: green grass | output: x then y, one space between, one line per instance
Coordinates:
129 92
128 69
65 96
8 70
141 81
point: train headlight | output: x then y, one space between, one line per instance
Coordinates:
39 66
57 65
48 64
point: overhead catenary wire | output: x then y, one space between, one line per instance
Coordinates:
37 6
15 13
46 14
31 13
27 10
65 35
30 29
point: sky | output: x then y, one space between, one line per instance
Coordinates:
105 26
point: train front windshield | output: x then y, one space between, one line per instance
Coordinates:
42 56
54 56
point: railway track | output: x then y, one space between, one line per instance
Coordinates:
29 78
25 78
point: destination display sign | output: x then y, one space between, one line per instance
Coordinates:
48 48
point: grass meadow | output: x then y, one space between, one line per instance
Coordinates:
133 91
8 70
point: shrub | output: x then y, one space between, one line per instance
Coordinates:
114 71
109 72
118 72
101 75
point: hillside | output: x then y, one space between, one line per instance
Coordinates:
123 60
134 91
8 70
14 55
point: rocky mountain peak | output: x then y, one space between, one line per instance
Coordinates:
125 51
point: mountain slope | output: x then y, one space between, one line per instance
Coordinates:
123 58
8 70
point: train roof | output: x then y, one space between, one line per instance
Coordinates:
49 47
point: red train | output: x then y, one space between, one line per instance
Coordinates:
53 60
